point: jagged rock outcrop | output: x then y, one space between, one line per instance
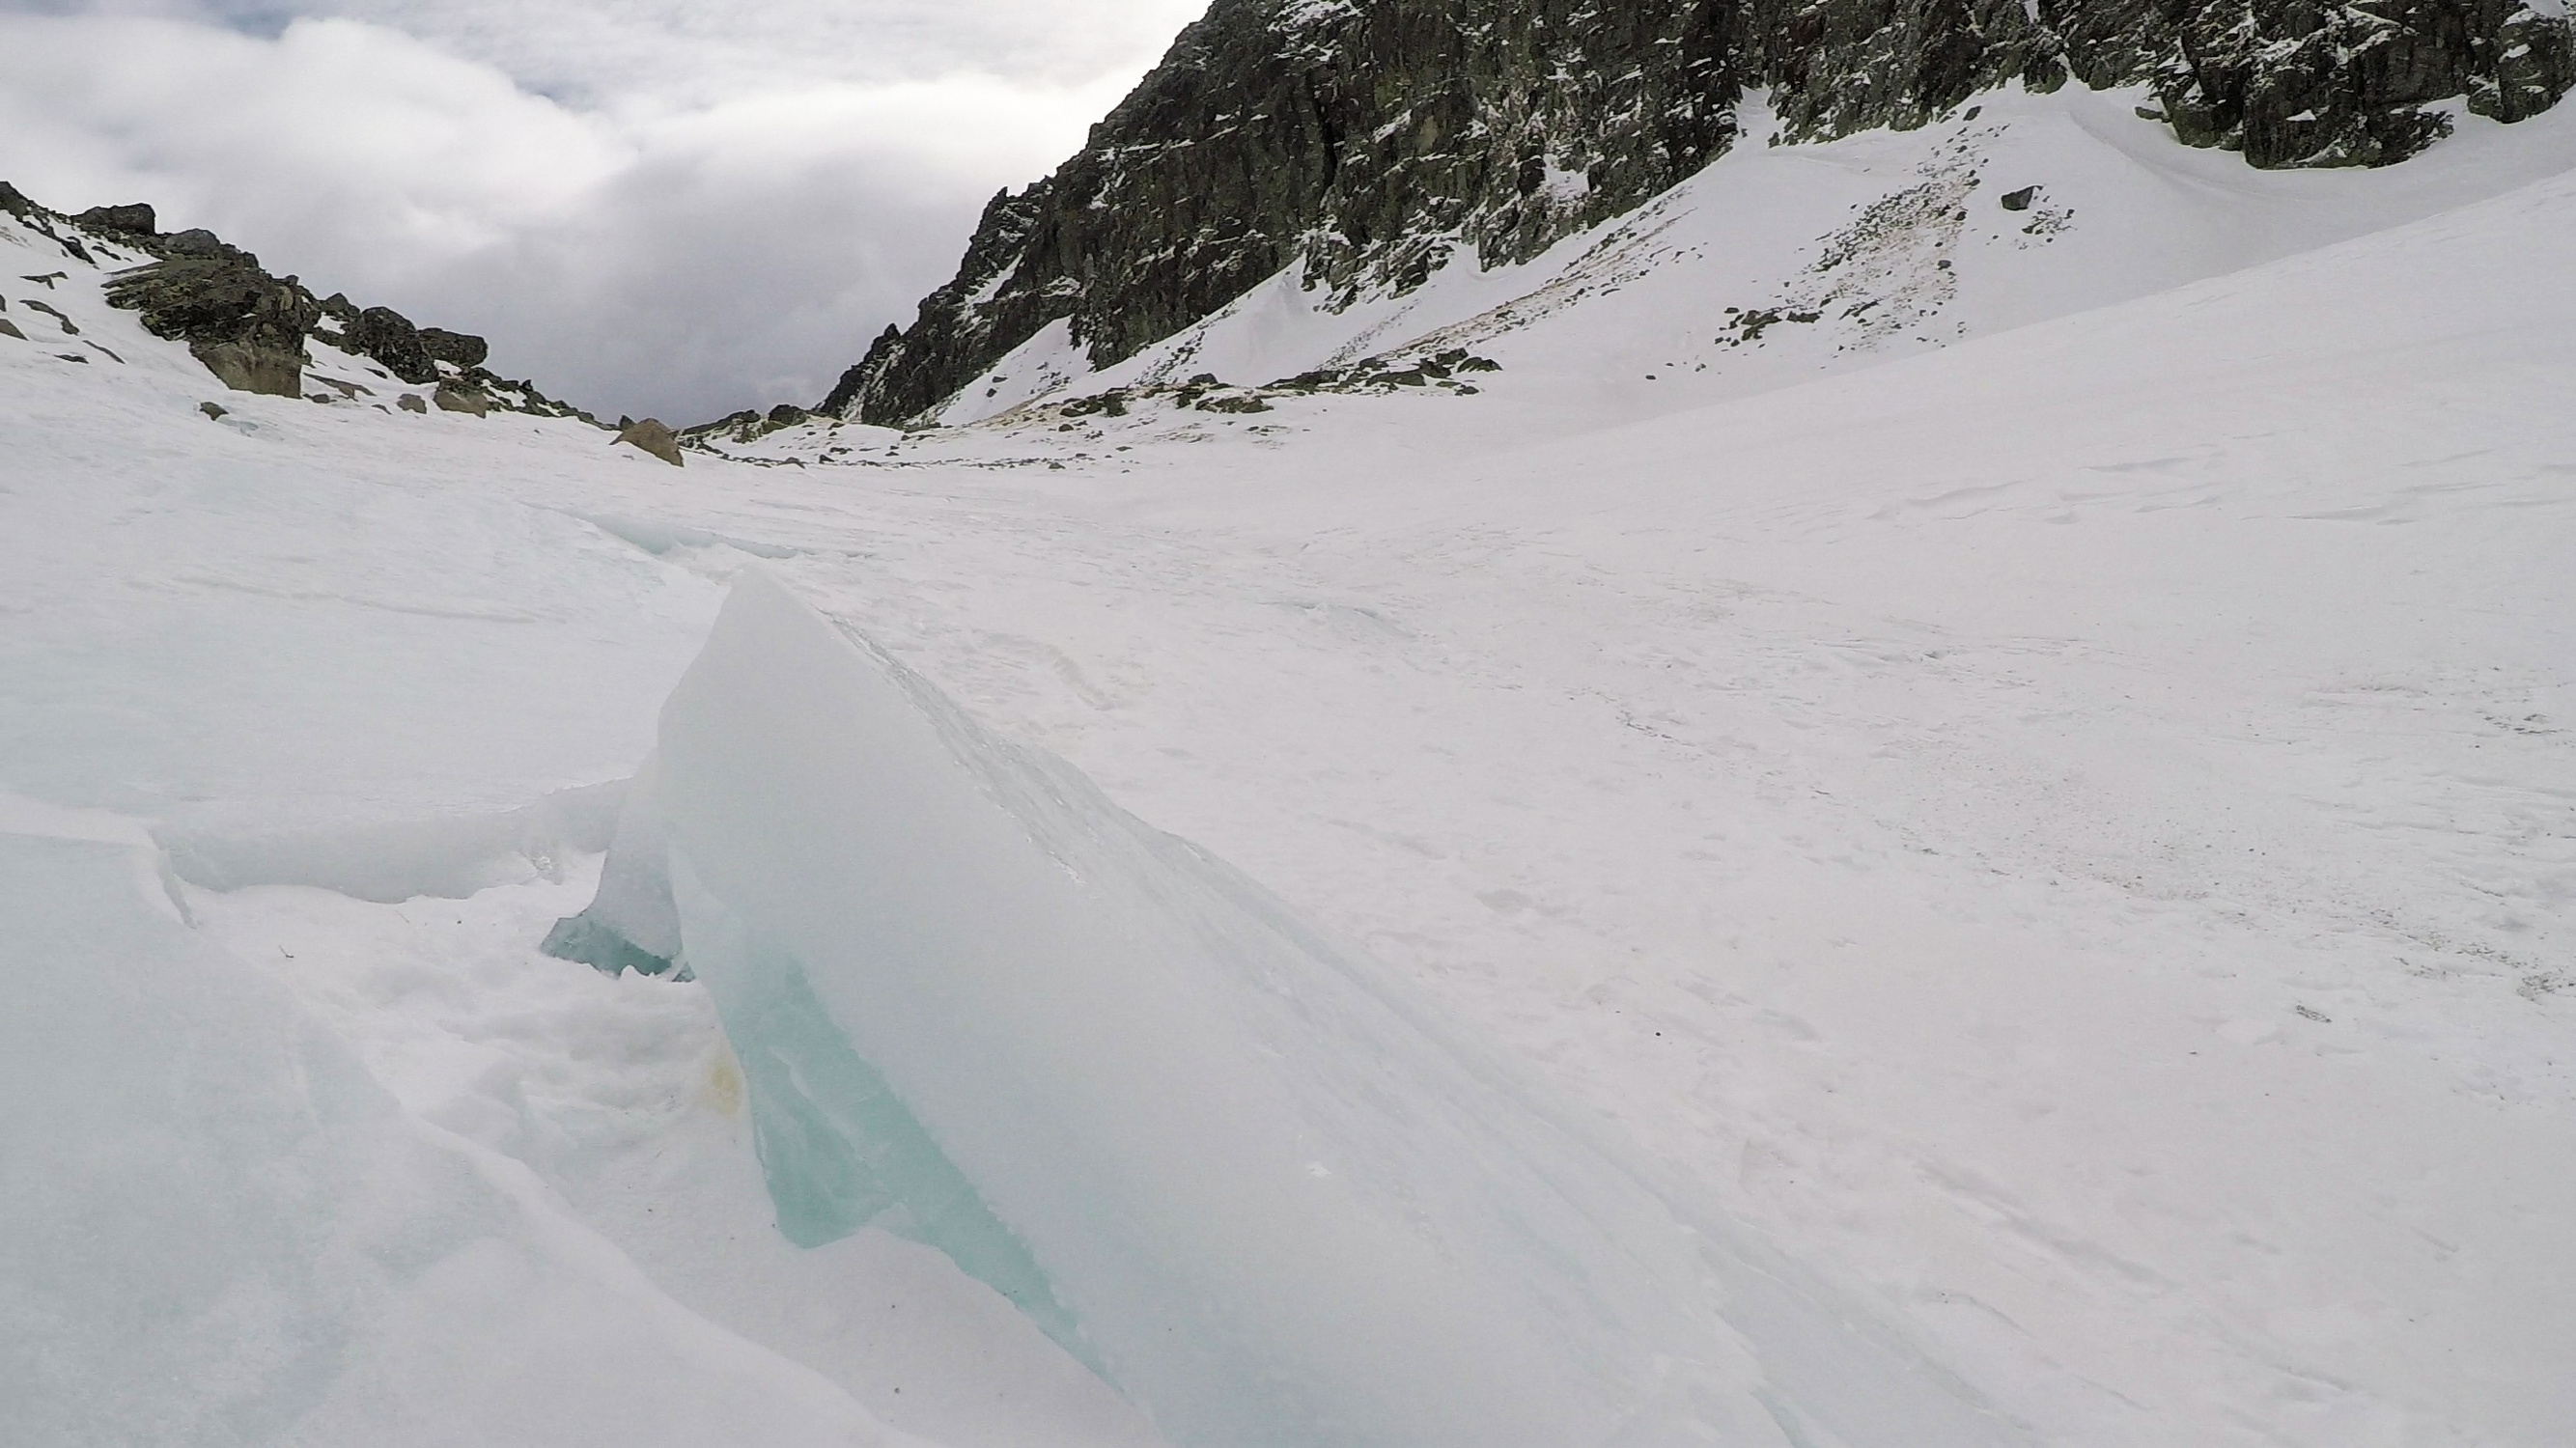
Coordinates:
389 337
1371 141
1368 142
408 352
135 219
246 326
462 349
1850 65
2298 83
196 241
748 425
249 328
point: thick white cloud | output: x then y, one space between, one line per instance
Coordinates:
648 206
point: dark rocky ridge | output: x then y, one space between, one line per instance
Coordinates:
249 328
2292 83
1371 140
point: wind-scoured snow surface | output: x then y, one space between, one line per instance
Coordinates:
2023 888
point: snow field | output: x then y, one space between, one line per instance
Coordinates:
2107 786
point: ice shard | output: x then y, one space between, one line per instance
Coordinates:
222 1230
1235 1165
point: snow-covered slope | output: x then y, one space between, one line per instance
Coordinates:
1368 148
1779 263
2069 838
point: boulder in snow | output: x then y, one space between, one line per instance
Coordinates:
653 437
135 218
390 338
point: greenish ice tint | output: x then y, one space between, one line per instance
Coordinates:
838 1149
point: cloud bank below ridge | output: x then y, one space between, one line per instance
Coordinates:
647 208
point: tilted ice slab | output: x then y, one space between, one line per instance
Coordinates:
220 1230
1226 1161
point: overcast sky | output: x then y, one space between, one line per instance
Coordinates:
649 206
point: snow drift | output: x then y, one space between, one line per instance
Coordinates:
1223 1159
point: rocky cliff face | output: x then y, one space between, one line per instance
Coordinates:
1373 141
2296 83
1370 141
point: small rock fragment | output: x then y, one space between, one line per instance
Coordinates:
411 402
1233 402
213 411
653 437
10 329
2019 200
251 366
458 399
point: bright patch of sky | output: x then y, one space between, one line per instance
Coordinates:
648 206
